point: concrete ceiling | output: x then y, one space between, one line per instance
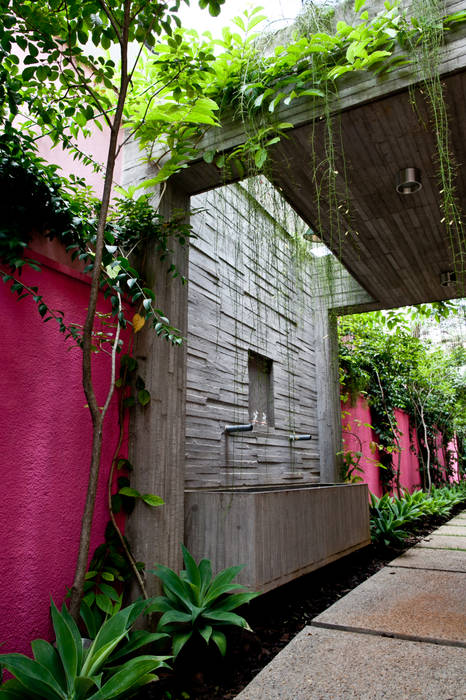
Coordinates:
395 245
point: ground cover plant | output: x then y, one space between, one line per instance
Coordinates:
198 602
71 670
391 517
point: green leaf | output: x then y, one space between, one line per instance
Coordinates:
152 500
179 640
206 633
174 616
66 646
192 569
35 677
227 618
14 690
104 603
138 639
128 676
45 654
128 491
260 157
144 397
89 618
234 601
220 640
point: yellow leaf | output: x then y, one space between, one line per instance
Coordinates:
138 322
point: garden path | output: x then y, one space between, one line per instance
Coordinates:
400 635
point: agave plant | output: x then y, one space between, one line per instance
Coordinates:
195 601
69 671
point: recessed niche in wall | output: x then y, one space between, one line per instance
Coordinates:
260 370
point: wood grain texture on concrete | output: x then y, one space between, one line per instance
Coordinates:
322 664
157 431
248 293
278 534
405 603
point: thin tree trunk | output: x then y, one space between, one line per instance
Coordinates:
97 414
429 478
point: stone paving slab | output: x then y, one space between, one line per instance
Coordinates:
322 664
434 541
458 518
456 530
407 603
423 558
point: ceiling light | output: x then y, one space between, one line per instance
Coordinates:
409 181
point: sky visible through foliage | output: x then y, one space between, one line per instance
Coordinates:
279 12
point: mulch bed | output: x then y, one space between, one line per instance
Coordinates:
276 617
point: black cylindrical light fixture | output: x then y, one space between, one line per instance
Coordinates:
409 181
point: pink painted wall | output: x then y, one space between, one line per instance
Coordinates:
356 421
410 478
95 146
45 451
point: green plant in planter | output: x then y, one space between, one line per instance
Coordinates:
70 671
195 601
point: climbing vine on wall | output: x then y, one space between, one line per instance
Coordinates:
395 369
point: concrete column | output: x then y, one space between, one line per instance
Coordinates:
157 432
328 395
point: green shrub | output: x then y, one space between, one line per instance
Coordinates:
195 601
390 515
70 671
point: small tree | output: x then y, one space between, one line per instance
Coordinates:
64 80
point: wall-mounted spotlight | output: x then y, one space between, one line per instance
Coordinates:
409 181
447 278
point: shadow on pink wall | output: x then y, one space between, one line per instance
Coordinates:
46 452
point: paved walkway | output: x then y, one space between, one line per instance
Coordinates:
399 635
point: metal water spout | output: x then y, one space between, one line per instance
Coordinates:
241 428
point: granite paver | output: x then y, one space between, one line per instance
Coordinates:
456 530
335 665
377 641
443 542
423 558
406 603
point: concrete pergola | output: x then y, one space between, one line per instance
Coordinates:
397 247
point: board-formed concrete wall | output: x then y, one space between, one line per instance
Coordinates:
251 289
245 295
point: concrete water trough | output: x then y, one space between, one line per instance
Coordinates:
278 532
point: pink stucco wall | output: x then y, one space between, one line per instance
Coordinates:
45 452
357 434
356 423
95 146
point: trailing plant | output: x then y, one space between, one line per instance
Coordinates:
198 602
71 670
425 45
